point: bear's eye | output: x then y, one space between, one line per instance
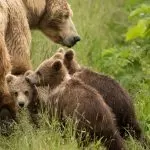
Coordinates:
16 94
26 93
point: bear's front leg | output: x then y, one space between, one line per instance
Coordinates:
18 41
19 50
7 117
7 105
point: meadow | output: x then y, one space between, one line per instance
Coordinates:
109 45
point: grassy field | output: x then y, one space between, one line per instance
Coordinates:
102 25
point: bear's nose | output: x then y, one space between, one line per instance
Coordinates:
21 104
77 39
73 40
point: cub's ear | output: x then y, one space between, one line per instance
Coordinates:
10 77
28 73
57 65
58 56
60 50
69 55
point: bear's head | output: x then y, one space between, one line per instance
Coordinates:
50 73
70 61
57 24
20 90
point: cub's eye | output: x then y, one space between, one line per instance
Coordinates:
16 94
26 93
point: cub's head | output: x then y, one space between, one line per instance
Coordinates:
50 73
57 24
70 62
20 90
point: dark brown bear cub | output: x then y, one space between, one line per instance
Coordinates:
69 97
114 95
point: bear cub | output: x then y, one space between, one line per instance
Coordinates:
19 89
69 97
114 95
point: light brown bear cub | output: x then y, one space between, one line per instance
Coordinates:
20 90
114 95
69 97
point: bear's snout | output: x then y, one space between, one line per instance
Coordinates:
21 104
71 41
75 39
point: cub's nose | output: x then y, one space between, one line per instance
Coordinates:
21 104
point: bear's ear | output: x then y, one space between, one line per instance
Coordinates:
58 56
69 55
61 50
57 65
28 73
10 77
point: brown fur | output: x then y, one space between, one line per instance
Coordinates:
69 97
17 17
114 95
20 90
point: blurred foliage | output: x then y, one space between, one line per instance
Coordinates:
130 61
140 16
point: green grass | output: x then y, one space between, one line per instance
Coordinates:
102 25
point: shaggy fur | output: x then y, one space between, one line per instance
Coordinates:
69 97
114 95
20 90
17 17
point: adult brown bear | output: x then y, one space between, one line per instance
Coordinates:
17 17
